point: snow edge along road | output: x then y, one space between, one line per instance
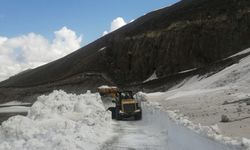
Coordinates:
181 130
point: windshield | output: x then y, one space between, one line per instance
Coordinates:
126 95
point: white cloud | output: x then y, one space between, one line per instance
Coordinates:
115 24
105 32
32 50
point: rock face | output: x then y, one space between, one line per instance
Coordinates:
190 34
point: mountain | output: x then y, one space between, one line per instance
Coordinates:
189 35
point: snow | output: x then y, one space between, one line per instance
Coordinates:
106 87
201 98
234 75
59 121
101 49
14 109
241 53
103 86
152 77
14 103
189 70
180 130
191 93
67 121
145 134
140 96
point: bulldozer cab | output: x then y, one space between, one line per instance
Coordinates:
125 104
126 95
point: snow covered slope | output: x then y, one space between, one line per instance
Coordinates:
204 99
59 121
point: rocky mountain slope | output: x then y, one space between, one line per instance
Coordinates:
190 34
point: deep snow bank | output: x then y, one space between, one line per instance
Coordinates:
59 121
184 134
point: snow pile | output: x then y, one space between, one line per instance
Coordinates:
211 132
59 121
152 77
140 96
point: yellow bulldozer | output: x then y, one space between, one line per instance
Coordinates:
126 106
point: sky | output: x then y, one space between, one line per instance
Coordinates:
35 32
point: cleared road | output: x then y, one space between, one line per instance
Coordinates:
156 132
138 135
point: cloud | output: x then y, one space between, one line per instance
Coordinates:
32 50
115 24
104 33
